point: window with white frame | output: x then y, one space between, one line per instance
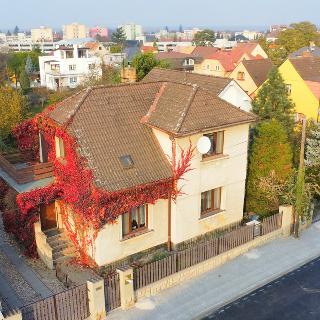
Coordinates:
73 80
72 67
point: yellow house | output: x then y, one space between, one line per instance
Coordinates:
302 77
251 74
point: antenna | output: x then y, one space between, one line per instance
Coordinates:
204 145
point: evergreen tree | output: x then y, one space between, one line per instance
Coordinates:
24 80
29 68
16 30
8 33
119 36
313 154
273 102
271 154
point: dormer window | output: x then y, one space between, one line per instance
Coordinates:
60 150
217 141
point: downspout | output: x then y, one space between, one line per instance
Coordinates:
173 186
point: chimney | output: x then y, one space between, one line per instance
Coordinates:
128 75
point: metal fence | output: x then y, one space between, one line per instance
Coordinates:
112 292
68 305
203 250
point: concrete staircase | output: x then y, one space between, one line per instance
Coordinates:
62 247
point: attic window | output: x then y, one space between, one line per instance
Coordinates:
126 161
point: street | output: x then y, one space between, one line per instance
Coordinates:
294 296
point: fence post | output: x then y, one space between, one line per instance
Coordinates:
287 219
126 286
96 299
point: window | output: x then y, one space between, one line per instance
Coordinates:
217 68
55 67
289 88
73 80
60 151
91 66
210 201
240 75
135 220
72 67
69 54
217 141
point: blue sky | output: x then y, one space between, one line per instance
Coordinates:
149 13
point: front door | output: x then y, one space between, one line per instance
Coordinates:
48 216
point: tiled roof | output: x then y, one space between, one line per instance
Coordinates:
312 51
307 67
258 70
214 84
186 109
112 122
204 52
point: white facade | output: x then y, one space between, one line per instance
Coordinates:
132 31
167 46
227 171
68 67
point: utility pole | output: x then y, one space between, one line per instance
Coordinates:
300 181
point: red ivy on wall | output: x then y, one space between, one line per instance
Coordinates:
89 207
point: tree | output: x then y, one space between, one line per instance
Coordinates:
8 33
24 80
3 68
145 62
275 52
205 38
11 110
16 30
271 154
273 102
119 37
29 68
298 35
313 153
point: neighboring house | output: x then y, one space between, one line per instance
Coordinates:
178 60
41 34
98 31
311 51
132 31
224 88
302 77
68 67
147 49
223 62
251 74
132 140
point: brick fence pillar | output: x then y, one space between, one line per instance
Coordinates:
126 287
96 298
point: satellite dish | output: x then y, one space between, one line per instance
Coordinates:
204 145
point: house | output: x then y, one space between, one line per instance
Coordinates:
69 66
223 88
251 74
128 177
310 51
223 62
74 31
302 77
178 60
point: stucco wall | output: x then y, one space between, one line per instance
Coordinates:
228 172
109 245
208 67
247 84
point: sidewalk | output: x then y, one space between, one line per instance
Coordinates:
228 282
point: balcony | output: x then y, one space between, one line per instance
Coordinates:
24 175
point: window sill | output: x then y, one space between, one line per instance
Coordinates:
136 234
215 157
211 214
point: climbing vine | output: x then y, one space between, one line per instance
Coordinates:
83 207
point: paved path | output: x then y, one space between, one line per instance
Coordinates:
294 296
19 284
195 298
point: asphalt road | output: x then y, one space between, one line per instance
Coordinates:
294 296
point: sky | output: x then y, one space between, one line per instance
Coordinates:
160 13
